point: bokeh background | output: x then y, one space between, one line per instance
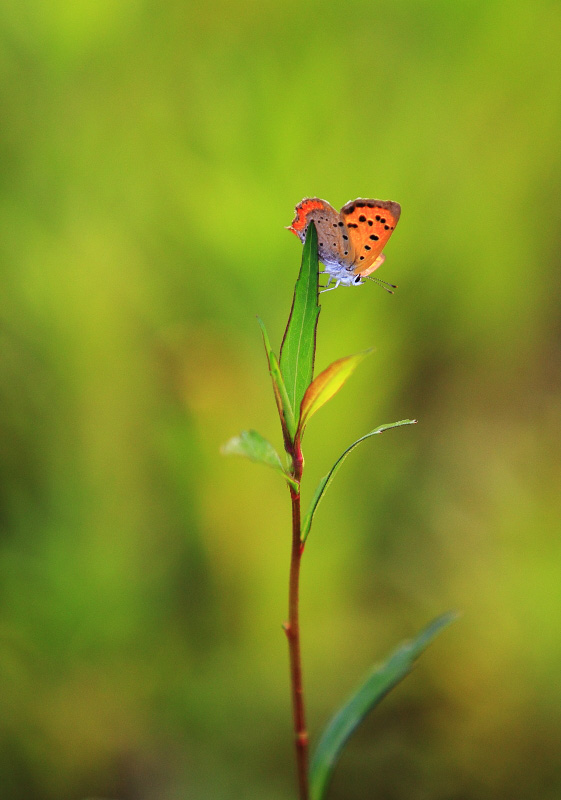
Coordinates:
151 154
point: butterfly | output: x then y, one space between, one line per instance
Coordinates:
350 241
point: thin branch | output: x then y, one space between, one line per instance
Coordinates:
292 629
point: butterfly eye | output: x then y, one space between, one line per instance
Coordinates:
357 280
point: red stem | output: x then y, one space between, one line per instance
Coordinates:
292 629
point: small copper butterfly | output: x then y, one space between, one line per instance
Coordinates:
350 242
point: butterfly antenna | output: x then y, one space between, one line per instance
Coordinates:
384 284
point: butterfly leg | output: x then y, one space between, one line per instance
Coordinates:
330 288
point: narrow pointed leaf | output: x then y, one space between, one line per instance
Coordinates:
299 343
326 480
252 445
284 406
380 681
327 384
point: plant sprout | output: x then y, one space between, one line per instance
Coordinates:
298 396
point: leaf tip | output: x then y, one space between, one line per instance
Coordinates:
228 448
438 624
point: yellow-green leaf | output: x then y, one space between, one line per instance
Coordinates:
327 383
326 480
299 343
381 680
252 445
286 412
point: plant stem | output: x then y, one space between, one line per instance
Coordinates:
292 630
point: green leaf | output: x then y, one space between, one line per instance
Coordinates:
327 384
326 480
286 412
252 445
380 681
299 343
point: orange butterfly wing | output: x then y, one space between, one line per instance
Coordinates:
370 224
334 246
307 209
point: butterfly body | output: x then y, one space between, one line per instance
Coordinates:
350 241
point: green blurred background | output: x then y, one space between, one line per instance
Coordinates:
151 154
